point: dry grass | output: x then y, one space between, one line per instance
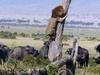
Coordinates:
22 42
90 45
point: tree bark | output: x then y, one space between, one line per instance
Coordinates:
63 61
75 47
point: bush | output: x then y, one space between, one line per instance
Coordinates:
31 61
37 36
6 34
52 69
28 62
91 38
67 37
15 33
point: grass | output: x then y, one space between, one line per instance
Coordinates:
90 45
67 31
22 42
24 29
28 62
84 42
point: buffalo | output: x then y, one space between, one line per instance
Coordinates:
31 50
97 59
98 48
4 53
20 51
82 56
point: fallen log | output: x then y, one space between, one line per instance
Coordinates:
68 61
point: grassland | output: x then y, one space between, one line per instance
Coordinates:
84 34
67 31
84 40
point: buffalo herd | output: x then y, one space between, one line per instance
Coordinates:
19 52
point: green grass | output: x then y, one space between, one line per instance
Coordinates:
25 29
68 31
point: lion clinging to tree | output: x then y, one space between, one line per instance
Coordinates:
56 17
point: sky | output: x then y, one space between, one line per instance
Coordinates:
44 7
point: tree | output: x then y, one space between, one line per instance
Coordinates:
56 45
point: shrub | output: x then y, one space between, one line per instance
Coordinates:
15 33
52 69
37 35
36 38
28 62
91 38
6 34
31 61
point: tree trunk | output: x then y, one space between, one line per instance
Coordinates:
75 47
56 46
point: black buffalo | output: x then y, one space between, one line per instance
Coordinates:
20 51
4 53
97 60
82 56
98 48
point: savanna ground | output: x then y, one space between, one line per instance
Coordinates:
89 38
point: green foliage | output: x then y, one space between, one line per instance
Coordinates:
37 36
94 68
6 34
30 61
52 69
13 64
67 37
15 33
23 35
91 38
